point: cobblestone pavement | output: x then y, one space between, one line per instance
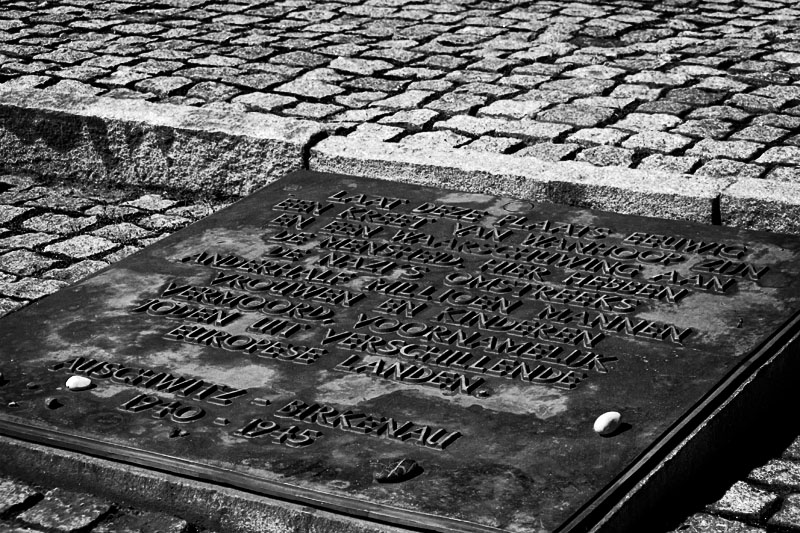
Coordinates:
52 235
693 86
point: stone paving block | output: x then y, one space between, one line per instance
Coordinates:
123 232
757 104
17 181
576 115
669 163
657 141
777 173
9 212
24 262
723 168
112 212
360 99
457 103
64 198
163 85
66 511
312 110
549 151
196 211
636 92
413 120
532 129
29 288
614 189
772 206
81 246
75 272
122 253
743 500
788 516
365 67
264 102
378 132
57 223
26 240
578 86
143 522
160 222
15 495
406 100
647 122
706 523
707 128
760 134
488 143
785 155
605 156
595 136
777 121
158 144
711 149
7 305
435 139
471 125
793 451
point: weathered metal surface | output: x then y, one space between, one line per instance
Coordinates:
427 358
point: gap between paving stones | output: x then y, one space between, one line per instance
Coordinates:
233 153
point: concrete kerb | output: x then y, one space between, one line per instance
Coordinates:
626 191
762 204
137 142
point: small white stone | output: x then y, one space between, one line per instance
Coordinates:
78 383
607 423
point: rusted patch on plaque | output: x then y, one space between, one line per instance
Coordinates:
329 333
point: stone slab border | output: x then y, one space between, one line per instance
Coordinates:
136 142
626 191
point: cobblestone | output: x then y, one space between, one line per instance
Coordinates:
657 141
711 149
722 168
667 163
14 495
697 71
745 501
81 246
24 262
607 156
66 511
788 516
57 223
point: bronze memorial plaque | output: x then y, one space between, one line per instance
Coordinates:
420 357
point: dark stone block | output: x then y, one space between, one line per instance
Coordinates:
419 357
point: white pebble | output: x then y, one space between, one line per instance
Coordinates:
78 383
607 423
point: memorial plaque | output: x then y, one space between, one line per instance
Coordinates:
424 358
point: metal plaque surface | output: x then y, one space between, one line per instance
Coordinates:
426 358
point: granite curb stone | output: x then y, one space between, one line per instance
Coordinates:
760 204
136 142
625 191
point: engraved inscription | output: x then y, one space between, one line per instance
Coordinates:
432 294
